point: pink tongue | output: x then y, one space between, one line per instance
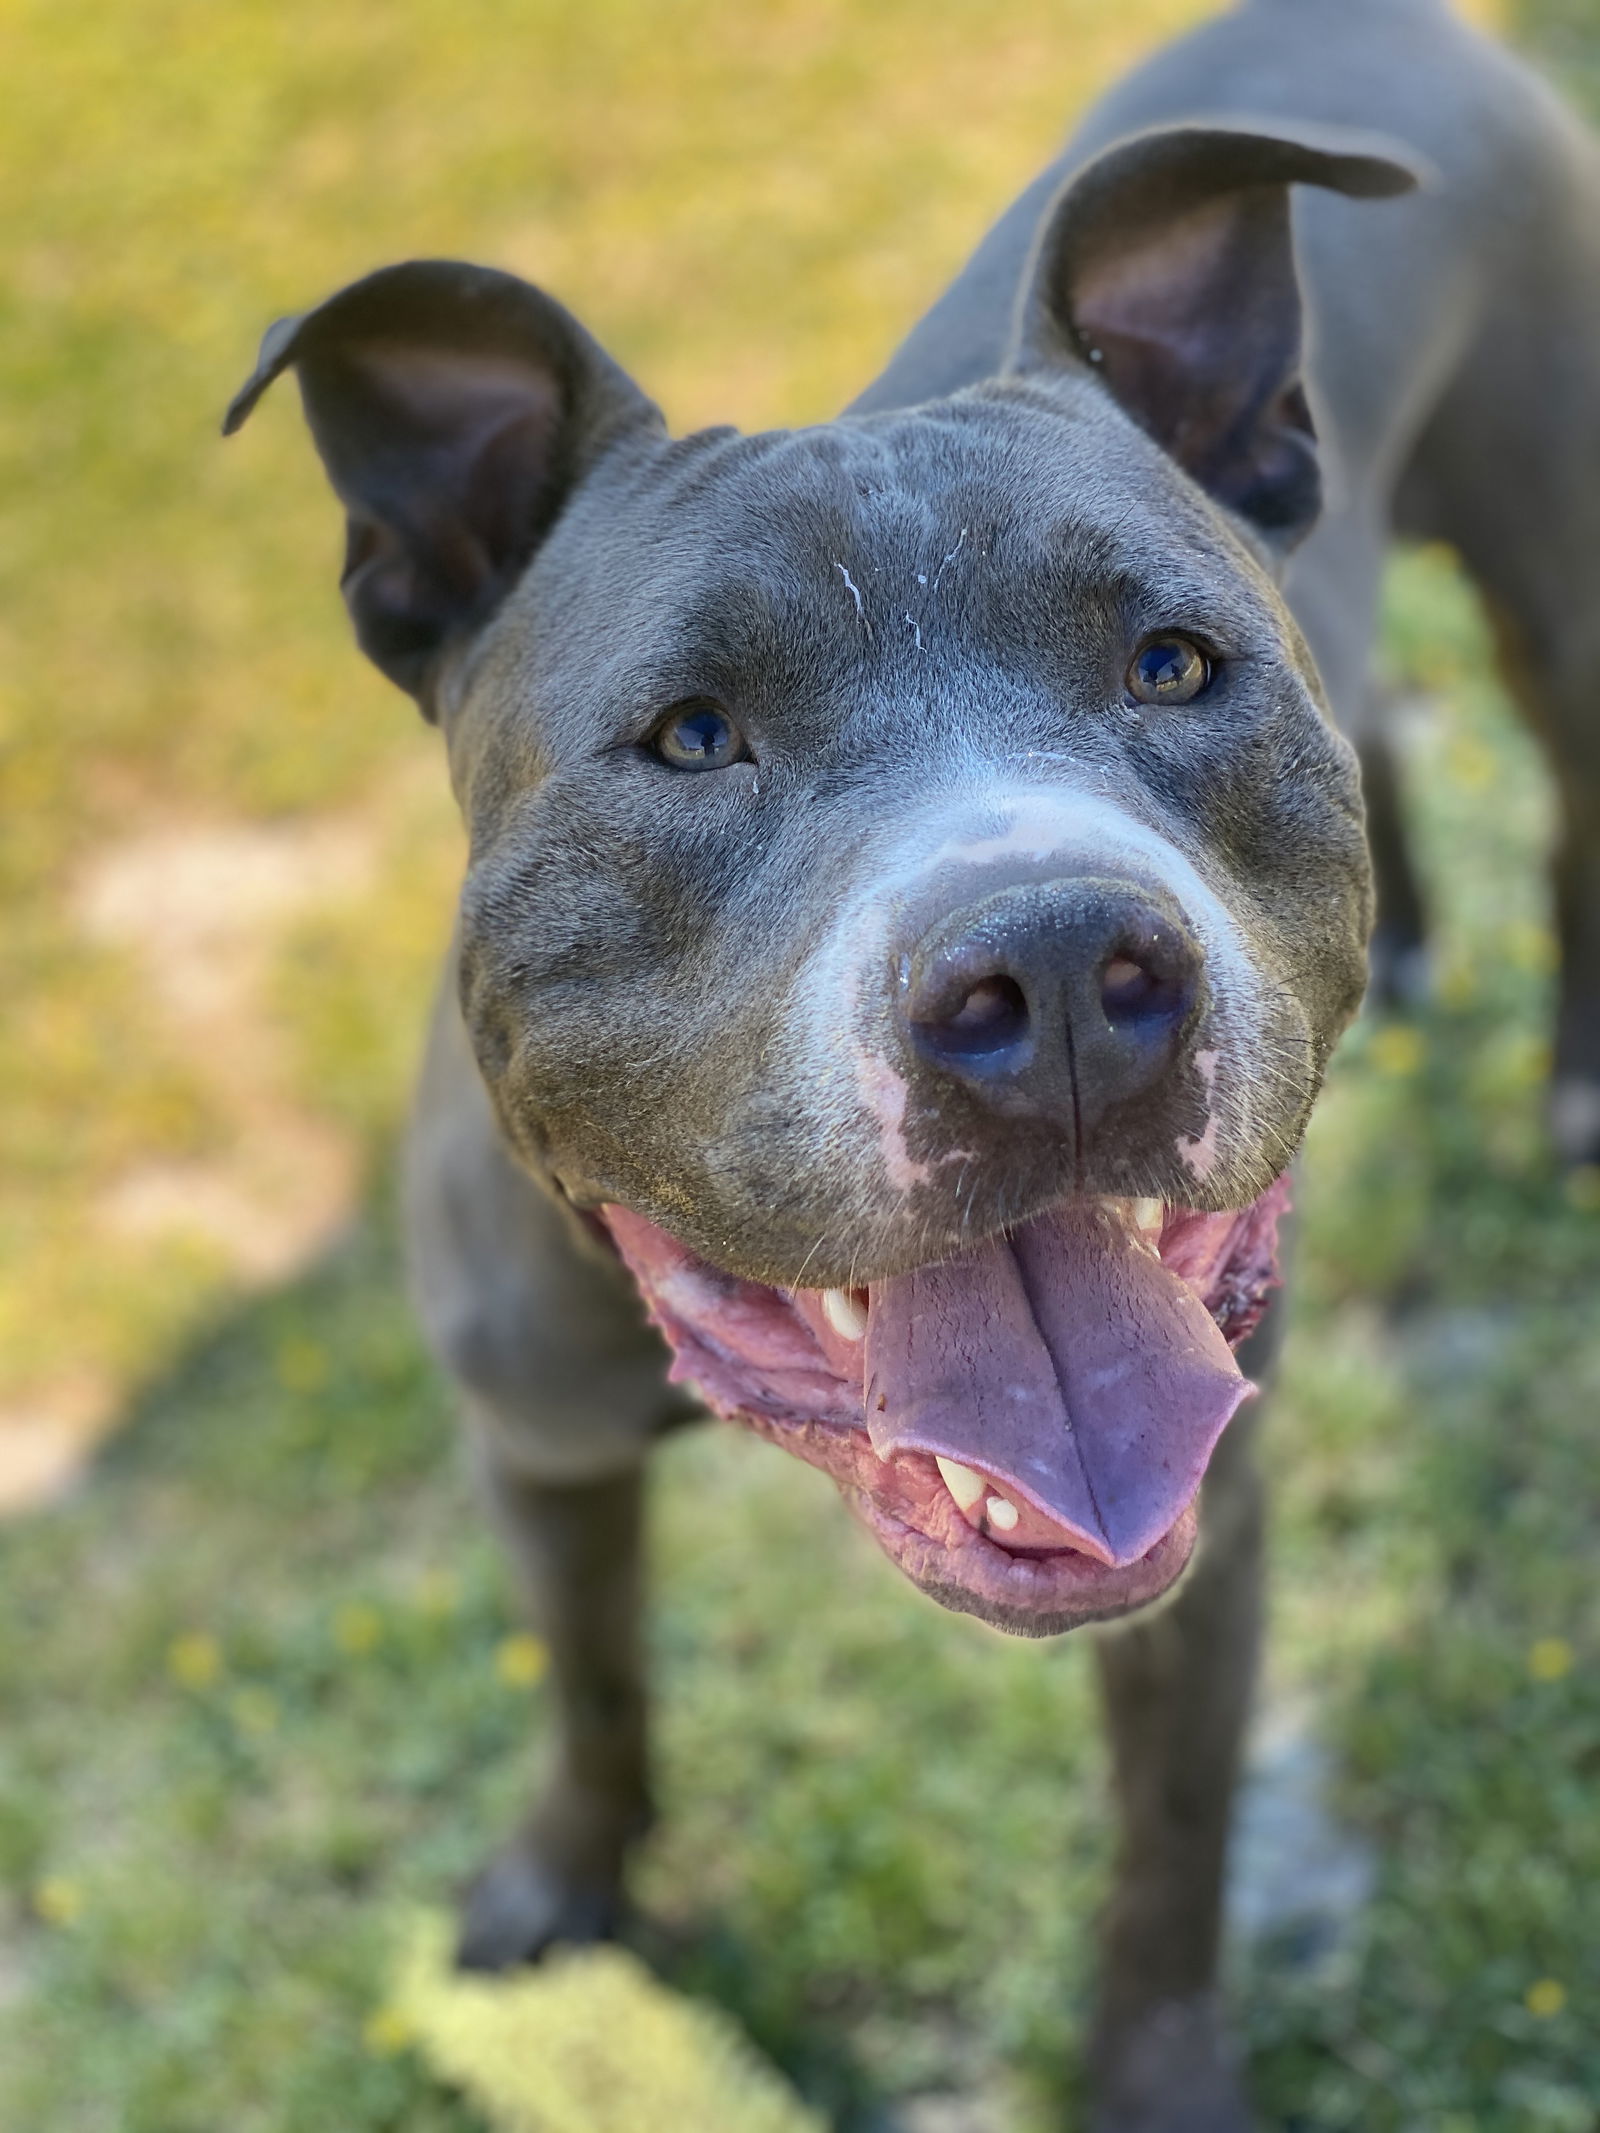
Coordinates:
1070 1365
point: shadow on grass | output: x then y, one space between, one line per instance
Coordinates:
261 1697
260 1701
259 1707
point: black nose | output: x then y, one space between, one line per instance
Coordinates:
1056 1000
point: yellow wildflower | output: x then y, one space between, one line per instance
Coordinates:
1545 1998
386 2032
1471 764
58 1901
195 1659
520 1661
302 1364
1530 948
357 1628
1550 1659
1397 1049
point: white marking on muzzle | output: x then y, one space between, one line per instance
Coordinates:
1201 1154
885 1092
847 980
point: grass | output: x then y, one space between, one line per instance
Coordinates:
174 651
262 1694
261 1699
747 204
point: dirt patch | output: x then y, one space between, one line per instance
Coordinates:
204 907
202 912
45 1443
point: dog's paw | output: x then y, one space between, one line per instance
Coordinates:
1171 2072
523 1903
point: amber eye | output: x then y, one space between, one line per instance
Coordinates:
698 735
1168 670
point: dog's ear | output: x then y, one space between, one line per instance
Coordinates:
1168 265
454 409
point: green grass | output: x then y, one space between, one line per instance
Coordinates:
254 1711
1565 35
747 204
256 1699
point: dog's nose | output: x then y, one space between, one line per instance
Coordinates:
1055 1000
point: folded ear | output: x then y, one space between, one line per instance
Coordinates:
1168 265
455 408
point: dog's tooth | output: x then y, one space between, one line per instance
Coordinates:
964 1485
1001 1514
1142 1217
1148 1219
846 1313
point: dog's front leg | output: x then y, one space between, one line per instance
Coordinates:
1177 1687
578 1555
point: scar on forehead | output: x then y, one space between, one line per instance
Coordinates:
948 560
854 591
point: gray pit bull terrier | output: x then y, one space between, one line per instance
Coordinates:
916 885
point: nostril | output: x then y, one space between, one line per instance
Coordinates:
991 1018
1124 983
1055 1001
1132 991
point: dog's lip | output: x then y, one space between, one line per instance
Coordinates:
1048 1592
766 1357
844 1266
1147 1215
1033 1594
1067 1385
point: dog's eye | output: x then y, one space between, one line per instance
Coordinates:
698 735
1168 670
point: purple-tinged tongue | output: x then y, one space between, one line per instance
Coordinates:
1068 1363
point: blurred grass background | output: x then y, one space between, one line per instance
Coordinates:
259 1690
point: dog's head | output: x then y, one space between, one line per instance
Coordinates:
914 890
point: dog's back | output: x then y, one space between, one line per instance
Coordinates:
1453 357
637 1042
1503 157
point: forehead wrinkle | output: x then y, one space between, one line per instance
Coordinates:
1074 507
886 497
1157 573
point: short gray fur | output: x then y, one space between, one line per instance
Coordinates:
657 992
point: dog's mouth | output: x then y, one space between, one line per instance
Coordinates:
1024 1428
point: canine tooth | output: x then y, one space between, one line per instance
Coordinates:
1142 1217
846 1315
964 1485
1001 1514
